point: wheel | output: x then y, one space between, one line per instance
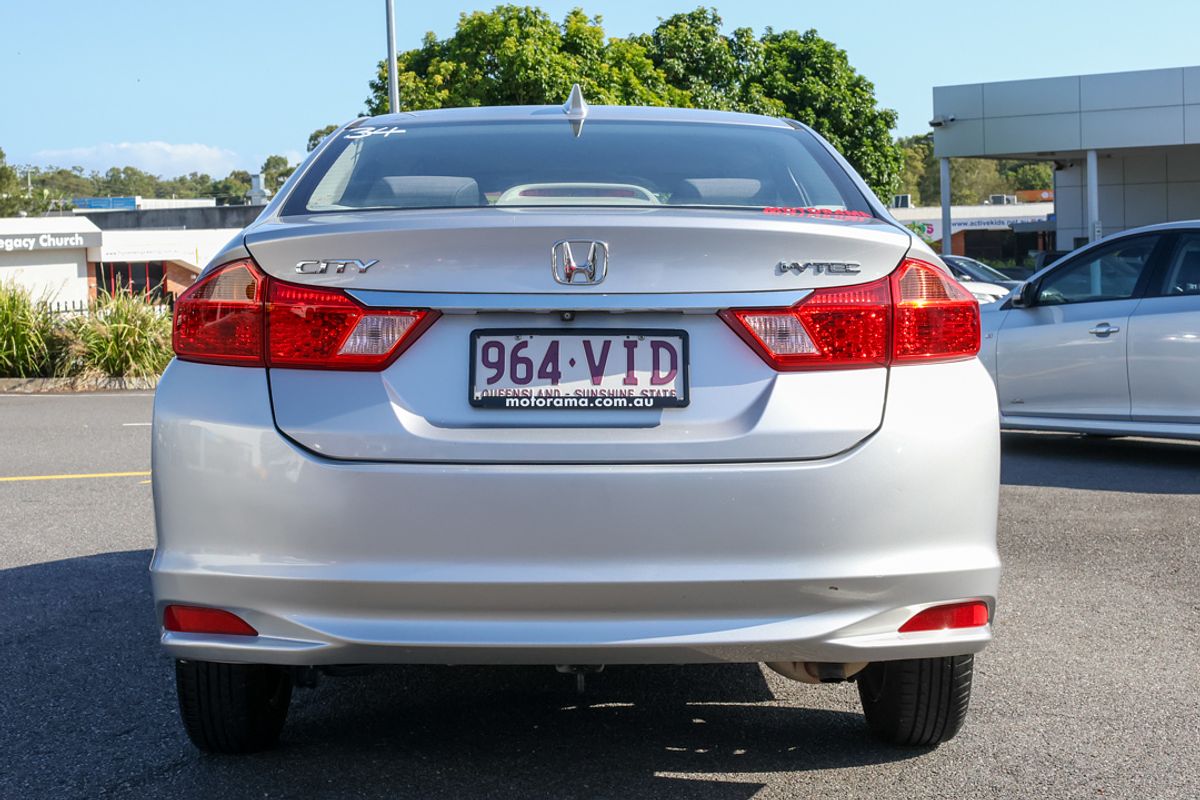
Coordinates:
919 702
232 708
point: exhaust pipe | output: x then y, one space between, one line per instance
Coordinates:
817 671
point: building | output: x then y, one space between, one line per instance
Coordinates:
48 255
1125 145
69 259
87 205
1002 232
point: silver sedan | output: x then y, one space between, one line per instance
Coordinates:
1106 340
575 387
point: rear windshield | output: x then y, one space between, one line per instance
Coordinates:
542 163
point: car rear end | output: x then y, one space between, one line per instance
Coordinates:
489 388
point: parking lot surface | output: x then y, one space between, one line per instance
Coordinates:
1090 689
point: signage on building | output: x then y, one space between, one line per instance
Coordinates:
48 241
932 231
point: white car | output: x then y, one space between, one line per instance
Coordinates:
1106 340
987 285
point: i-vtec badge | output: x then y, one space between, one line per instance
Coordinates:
818 267
334 265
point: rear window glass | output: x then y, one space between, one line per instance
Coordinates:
542 163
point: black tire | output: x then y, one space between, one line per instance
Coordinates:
920 702
232 708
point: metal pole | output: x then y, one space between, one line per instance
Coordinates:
1095 230
393 88
947 233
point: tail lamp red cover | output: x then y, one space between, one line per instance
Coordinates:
198 619
972 614
238 316
916 314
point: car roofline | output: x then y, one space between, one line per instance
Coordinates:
595 113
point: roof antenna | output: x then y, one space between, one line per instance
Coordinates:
576 109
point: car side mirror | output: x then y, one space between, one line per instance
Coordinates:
1025 296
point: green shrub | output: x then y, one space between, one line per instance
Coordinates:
31 337
124 336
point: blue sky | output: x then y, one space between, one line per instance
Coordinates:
212 85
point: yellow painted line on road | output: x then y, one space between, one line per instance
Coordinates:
78 476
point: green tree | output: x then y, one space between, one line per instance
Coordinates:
516 55
972 180
194 184
1029 174
319 134
63 184
275 171
232 189
16 196
917 154
127 181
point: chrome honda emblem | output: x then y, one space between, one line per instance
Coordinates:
568 262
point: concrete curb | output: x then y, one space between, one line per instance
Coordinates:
78 384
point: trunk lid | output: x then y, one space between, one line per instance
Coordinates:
668 270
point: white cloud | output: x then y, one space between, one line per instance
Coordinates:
160 158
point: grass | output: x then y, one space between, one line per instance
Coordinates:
31 338
124 335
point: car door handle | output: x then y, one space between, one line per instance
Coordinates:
1104 329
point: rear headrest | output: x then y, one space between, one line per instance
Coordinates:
718 191
418 191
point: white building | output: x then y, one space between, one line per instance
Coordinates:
48 255
69 259
1126 145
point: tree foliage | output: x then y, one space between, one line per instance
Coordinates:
972 180
275 171
518 55
316 136
16 195
38 189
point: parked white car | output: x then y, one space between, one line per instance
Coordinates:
1106 340
986 284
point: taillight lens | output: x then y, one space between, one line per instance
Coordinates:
219 319
238 316
841 327
318 328
918 313
936 318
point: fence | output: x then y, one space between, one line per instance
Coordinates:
164 305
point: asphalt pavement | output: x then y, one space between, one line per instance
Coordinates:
1090 689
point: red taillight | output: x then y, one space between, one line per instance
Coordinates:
237 315
956 615
918 313
936 318
197 619
845 326
219 319
318 328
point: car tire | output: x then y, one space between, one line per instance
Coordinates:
232 708
918 703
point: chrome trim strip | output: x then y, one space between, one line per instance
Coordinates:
688 302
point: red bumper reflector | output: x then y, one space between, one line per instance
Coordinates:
956 615
195 619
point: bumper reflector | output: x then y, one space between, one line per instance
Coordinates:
941 618
195 619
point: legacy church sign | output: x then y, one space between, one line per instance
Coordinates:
48 241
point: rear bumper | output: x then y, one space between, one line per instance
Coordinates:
338 562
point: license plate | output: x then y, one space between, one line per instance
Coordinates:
579 369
